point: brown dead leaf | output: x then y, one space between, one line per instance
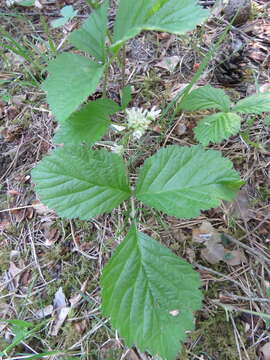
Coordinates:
234 257
44 312
168 63
240 207
131 355
4 223
180 129
61 309
52 235
265 351
14 274
204 232
40 208
76 298
18 214
18 99
81 326
214 252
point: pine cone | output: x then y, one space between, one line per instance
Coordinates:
239 8
228 68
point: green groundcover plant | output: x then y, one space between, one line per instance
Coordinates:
226 122
149 293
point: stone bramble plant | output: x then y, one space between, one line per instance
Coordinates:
149 293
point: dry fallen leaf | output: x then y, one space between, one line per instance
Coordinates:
44 312
40 208
169 63
265 350
131 355
61 309
234 257
204 232
240 207
214 252
13 274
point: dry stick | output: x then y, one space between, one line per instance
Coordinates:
250 250
13 161
35 254
77 246
16 208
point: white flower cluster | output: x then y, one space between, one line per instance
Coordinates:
139 120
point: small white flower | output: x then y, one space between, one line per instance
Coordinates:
139 120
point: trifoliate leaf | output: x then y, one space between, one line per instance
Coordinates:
217 127
91 36
150 295
181 181
255 104
77 182
88 124
67 13
72 78
171 16
206 97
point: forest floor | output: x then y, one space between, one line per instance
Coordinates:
45 260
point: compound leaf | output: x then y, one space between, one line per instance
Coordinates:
255 104
151 307
91 36
72 78
217 127
181 181
206 97
88 124
82 183
172 16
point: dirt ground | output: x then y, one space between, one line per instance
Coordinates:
45 259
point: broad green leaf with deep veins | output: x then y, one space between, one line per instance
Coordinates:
150 295
77 182
206 97
91 36
173 16
88 124
72 78
217 127
181 181
255 104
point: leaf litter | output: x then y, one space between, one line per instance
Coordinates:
247 159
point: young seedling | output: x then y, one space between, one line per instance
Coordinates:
225 123
149 293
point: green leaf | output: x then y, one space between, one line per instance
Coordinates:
91 36
88 124
171 16
125 96
181 181
217 127
67 13
72 78
255 104
25 2
206 97
150 295
82 183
